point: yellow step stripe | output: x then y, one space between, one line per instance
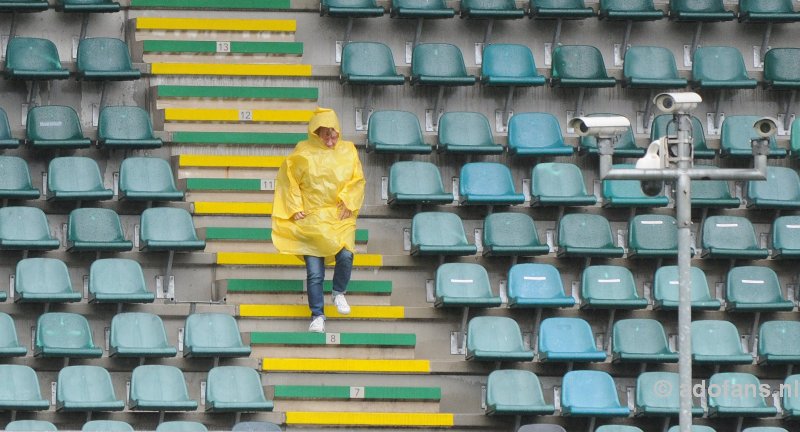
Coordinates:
345 365
229 208
243 25
302 311
221 161
274 259
370 419
230 69
233 115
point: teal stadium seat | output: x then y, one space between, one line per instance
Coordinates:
439 233
169 229
772 11
415 182
118 280
536 134
589 393
515 392
430 9
653 236
6 140
466 133
139 334
508 65
695 428
629 10
786 237
235 389
716 342
87 6
720 67
33 59
764 429
255 426
641 341
781 190
16 6
369 63
778 342
665 290
55 127
439 64
126 127
568 340
536 285
76 178
395 132
43 280
731 237
105 59
617 428
579 66
487 183
712 193
159 388
86 389
106 426
628 193
738 404
791 402
147 179
491 9
19 389
499 339
755 289
559 184
588 236
9 344
541 427
181 426
663 125
30 426
658 395
780 72
699 10
62 334
464 285
651 67
15 179
560 9
624 147
737 135
213 335
350 8
25 228
610 287
511 234
96 230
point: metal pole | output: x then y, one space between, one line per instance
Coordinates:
683 205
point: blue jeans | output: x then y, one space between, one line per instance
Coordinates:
315 274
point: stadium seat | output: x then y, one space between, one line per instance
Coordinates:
610 287
90 6
490 9
535 134
466 133
499 339
421 9
55 127
439 233
86 389
568 340
9 344
350 9
17 6
96 230
579 66
559 10
159 388
651 67
213 335
487 183
370 64
6 140
559 184
464 285
658 395
755 289
118 280
235 389
106 426
737 134
589 393
105 59
786 237
629 10
139 334
147 179
779 74
30 426
43 280
764 429
19 389
255 426
791 402
624 147
586 235
541 427
181 426
730 237
781 190
617 428
395 132
653 236
33 59
507 65
778 342
415 182
720 68
663 125
536 285
695 428
665 290
76 178
62 334
712 193
441 65
511 234
25 228
515 392
126 127
738 404
169 229
628 193
641 341
15 179
716 342
699 10
769 12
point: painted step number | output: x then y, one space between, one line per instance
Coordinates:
223 47
245 115
332 339
356 392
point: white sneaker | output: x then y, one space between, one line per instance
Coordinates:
317 325
341 304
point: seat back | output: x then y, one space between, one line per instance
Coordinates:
766 7
552 179
367 59
617 428
5 127
486 178
104 56
426 5
53 122
737 134
437 60
718 63
534 130
791 401
256 426
786 233
510 229
507 60
695 428
465 129
654 390
570 335
94 225
663 125
106 426
415 178
116 276
42 276
494 334
715 337
146 174
734 399
138 330
649 64
666 283
236 384
729 232
395 128
30 426
541 428
779 338
653 233
74 174
585 231
32 55
181 426
781 65
124 123
514 388
626 6
589 389
437 229
167 224
782 186
754 285
84 385
24 223
158 383
19 383
212 330
697 6
608 282
14 174
535 280
463 280
63 330
580 62
629 191
8 332
639 336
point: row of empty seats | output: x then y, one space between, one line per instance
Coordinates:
120 426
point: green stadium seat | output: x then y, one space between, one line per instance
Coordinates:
617 428
139 334
55 127
559 184
434 9
786 237
86 389
738 404
96 230
716 342
62 334
653 236
778 342
369 63
30 426
658 395
720 67
628 193
536 285
772 11
6 140
791 402
755 289
181 426
213 335
414 182
579 66
87 6
511 234
730 237
487 183
536 134
737 134
589 393
126 127
15 179
255 426
663 125
19 389
106 426
169 229
235 389
25 228
610 287
541 427
492 338
76 178
568 340
33 59
624 147
560 9
118 280
9 344
350 9
439 233
651 67
641 341
439 64
16 6
467 133
509 65
665 290
159 388
105 59
464 285
712 193
781 190
147 179
491 9
43 280
695 428
586 235
629 10
395 132
779 70
515 392
699 10
764 429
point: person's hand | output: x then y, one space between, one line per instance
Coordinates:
299 215
344 212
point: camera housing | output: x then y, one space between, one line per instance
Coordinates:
766 127
601 127
677 102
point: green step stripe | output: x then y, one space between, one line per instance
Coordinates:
230 92
259 234
253 138
343 392
223 184
355 339
288 48
296 286
212 4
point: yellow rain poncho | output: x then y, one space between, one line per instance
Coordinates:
314 179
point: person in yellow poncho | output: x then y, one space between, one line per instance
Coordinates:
318 192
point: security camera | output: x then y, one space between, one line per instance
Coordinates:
654 158
600 126
677 102
765 127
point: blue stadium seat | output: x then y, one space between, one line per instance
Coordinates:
511 234
536 285
738 404
395 132
658 395
181 426
717 342
695 428
487 183
76 178
213 335
63 334
439 233
568 340
139 334
586 235
106 426
235 389
30 426
464 285
466 133
791 402
19 389
86 389
9 344
628 193
255 426
25 228
416 182
126 127
159 388
653 236
43 280
535 134
491 338
559 184
96 230
506 65
665 290
515 392
610 287
588 393
731 237
641 341
147 179
118 280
